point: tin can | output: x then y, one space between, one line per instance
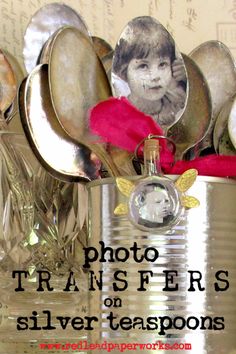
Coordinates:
181 296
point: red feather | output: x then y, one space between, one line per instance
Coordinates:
118 122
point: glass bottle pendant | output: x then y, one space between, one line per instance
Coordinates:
154 203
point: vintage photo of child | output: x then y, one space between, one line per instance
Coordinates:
149 71
153 206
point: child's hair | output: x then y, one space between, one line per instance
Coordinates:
151 187
142 36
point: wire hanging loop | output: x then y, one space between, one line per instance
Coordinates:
152 136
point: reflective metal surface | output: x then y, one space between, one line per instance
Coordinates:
203 241
7 83
45 53
102 47
221 123
225 144
217 65
193 124
107 64
59 303
58 153
19 76
77 80
223 127
232 122
43 24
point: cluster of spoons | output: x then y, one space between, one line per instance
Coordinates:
70 71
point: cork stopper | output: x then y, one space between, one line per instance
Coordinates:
151 146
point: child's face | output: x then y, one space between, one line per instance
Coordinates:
150 77
157 205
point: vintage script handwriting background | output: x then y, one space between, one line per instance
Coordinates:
191 22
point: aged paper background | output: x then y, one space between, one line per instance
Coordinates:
191 22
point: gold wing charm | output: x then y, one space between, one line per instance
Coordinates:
183 183
121 209
189 202
125 186
186 180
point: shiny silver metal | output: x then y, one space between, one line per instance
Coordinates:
18 74
217 65
232 123
195 121
7 83
222 122
43 24
59 154
101 46
107 64
77 81
204 241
